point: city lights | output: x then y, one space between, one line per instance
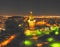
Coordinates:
39 45
27 42
38 32
27 33
31 33
55 45
20 25
56 33
50 39
6 42
35 32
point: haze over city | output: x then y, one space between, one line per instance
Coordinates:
23 7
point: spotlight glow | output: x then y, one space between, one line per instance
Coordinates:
27 42
50 39
55 45
56 33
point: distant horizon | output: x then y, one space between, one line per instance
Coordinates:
28 14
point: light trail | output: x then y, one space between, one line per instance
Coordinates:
6 42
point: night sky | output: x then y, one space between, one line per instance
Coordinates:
22 7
